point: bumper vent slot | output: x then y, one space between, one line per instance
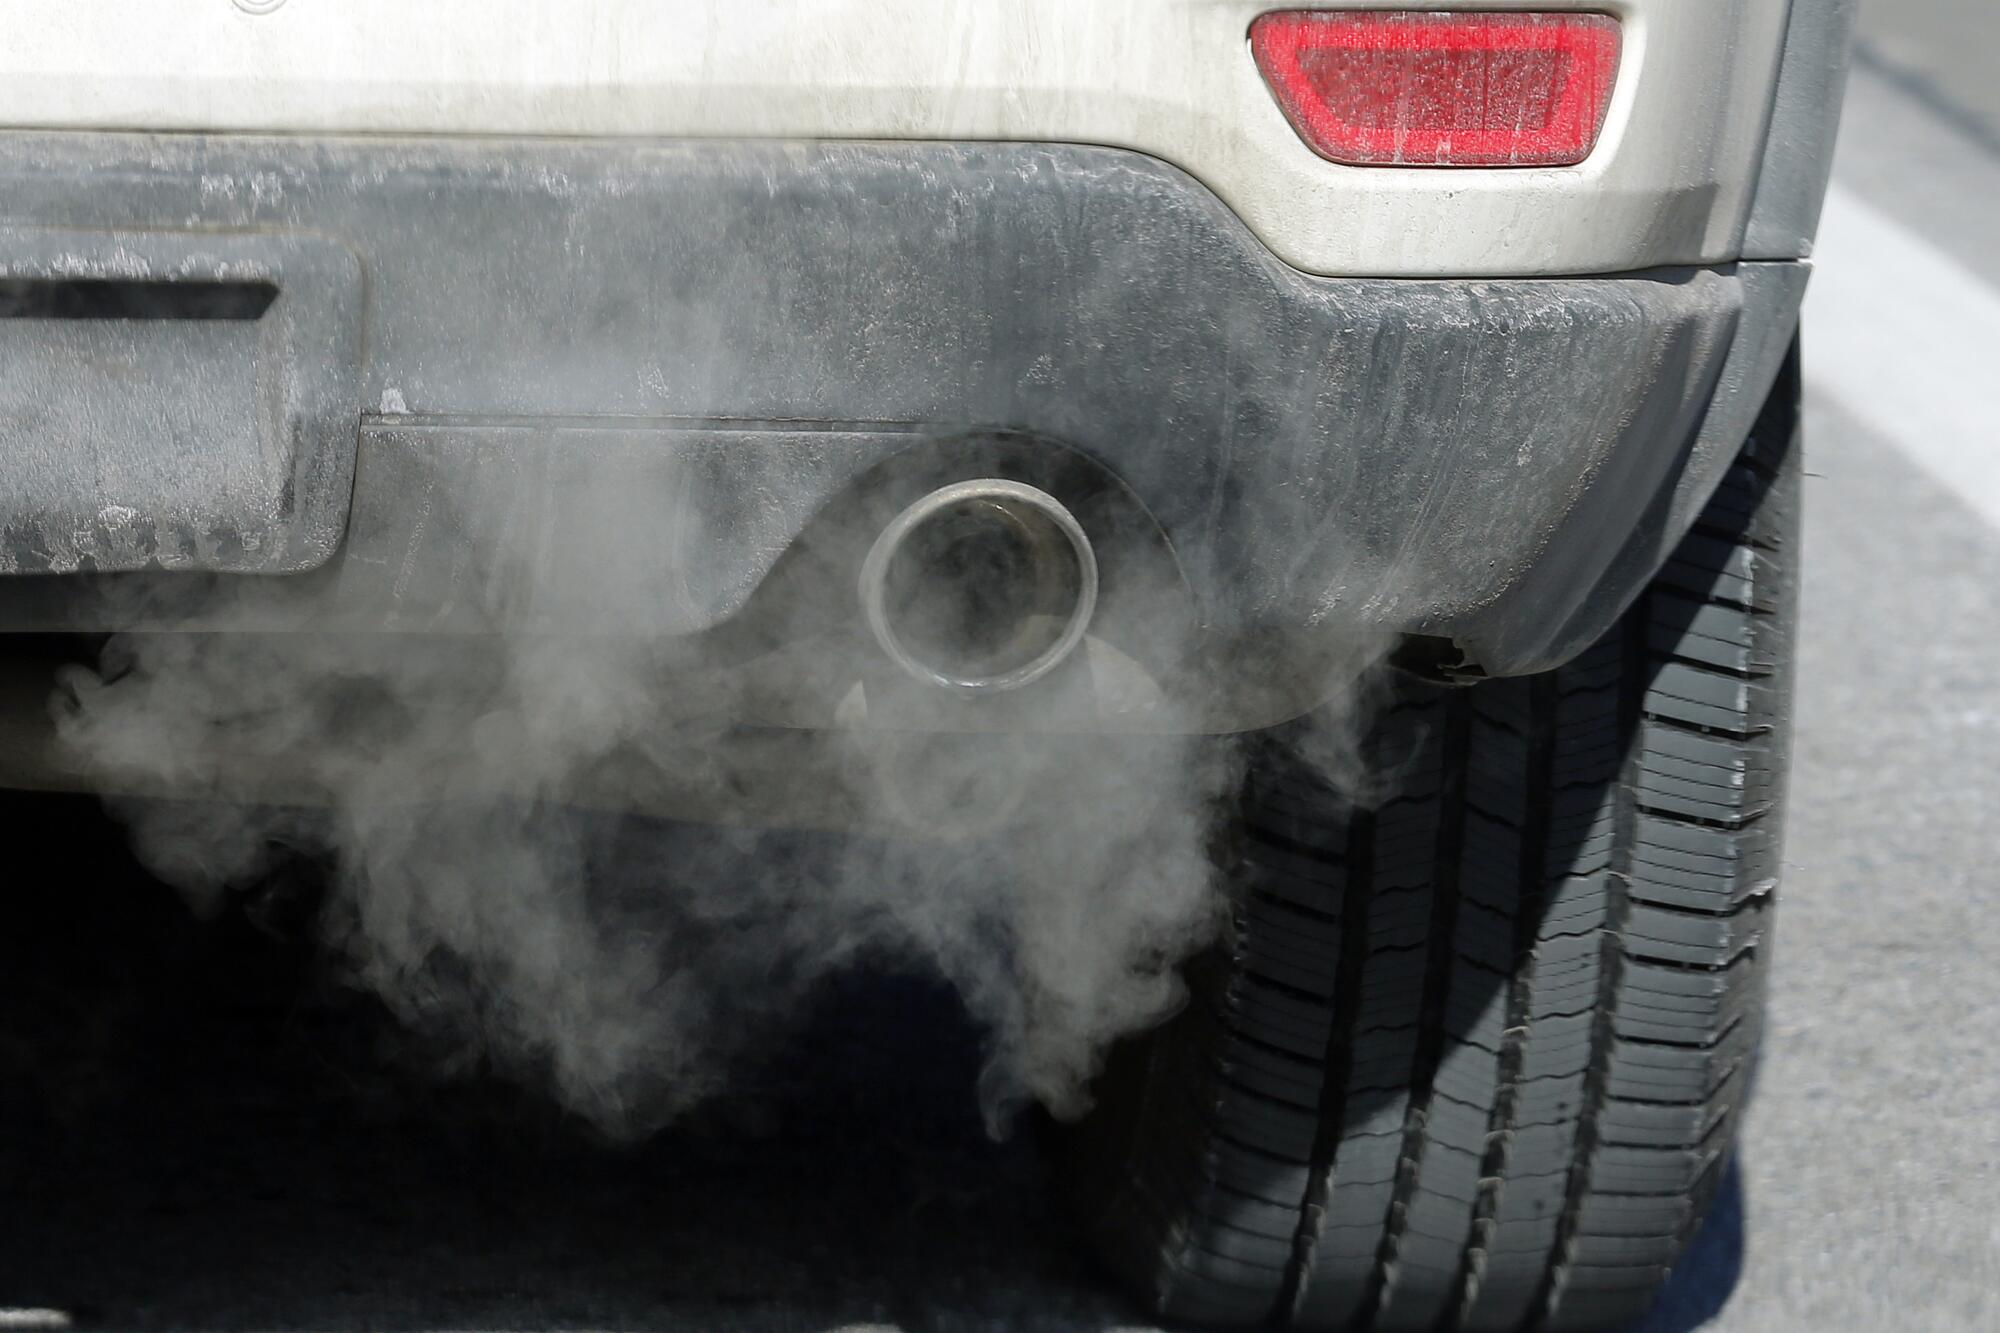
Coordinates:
108 298
175 400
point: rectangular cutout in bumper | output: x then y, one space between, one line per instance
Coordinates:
175 400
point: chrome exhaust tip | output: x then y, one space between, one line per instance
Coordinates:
981 586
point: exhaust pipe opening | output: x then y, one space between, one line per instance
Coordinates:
981 586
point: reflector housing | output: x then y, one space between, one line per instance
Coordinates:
1404 88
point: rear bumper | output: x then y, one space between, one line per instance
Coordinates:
612 387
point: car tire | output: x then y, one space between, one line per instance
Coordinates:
1474 1049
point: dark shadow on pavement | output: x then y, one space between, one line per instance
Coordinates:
230 1148
1708 1273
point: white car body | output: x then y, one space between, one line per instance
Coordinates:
1671 181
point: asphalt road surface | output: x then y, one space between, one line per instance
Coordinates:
264 1170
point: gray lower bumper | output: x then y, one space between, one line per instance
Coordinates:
591 387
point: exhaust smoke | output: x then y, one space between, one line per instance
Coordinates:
508 913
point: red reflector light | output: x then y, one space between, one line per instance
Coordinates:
1396 88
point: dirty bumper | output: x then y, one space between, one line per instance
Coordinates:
613 388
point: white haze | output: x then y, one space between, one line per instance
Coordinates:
632 966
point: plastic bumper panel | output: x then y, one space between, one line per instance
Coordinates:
505 335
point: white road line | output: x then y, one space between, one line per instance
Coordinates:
1907 341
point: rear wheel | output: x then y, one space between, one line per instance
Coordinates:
1473 1054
